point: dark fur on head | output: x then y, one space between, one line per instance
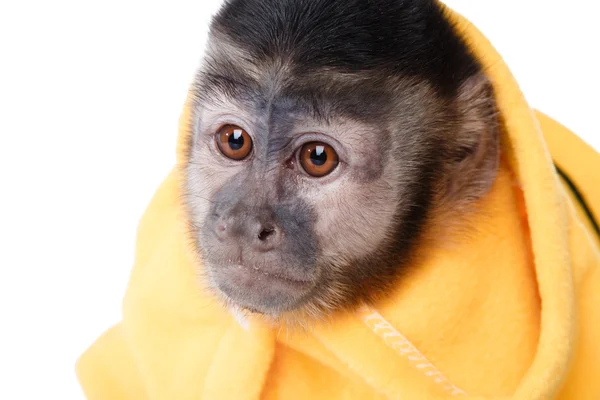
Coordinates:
390 77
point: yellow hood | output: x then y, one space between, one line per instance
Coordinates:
509 311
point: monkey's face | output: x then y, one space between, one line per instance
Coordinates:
321 146
295 207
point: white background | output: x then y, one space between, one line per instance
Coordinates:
90 95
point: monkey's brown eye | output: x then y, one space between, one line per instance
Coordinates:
234 142
318 159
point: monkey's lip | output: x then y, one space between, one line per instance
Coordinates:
269 275
256 289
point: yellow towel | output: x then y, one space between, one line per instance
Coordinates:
511 310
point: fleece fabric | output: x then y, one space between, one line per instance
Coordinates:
509 311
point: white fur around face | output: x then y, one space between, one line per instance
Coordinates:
240 317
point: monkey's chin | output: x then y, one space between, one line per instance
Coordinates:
261 292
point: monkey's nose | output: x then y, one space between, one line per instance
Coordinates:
264 236
265 233
260 236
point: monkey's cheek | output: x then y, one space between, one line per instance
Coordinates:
261 292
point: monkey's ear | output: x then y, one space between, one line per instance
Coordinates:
476 153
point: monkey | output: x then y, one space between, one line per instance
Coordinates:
363 206
329 139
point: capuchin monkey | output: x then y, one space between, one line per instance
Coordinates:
329 138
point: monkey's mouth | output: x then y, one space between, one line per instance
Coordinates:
259 290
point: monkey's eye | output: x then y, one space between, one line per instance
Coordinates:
234 142
318 159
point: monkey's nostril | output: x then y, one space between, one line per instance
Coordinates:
265 233
221 231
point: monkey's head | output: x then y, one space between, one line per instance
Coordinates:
326 136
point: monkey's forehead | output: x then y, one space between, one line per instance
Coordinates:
324 94
411 38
